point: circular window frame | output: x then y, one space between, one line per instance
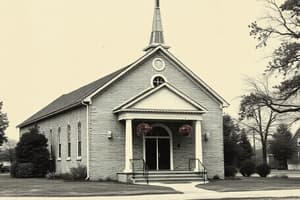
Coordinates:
159 69
158 75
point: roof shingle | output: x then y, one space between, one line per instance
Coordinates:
71 99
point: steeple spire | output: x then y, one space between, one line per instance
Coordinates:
157 36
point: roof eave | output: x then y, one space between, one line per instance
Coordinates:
49 115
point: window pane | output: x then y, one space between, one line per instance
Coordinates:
79 149
69 149
59 150
69 133
79 131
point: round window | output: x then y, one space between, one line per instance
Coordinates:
158 80
158 64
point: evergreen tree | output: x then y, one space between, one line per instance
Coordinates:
246 148
32 148
281 146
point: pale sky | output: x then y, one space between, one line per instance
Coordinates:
48 48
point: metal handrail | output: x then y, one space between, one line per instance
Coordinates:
204 172
145 168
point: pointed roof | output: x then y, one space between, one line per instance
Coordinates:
71 100
157 36
85 93
153 99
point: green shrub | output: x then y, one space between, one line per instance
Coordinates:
263 170
22 170
76 174
67 176
247 168
32 148
216 177
13 169
230 171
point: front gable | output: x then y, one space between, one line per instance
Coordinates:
175 63
162 98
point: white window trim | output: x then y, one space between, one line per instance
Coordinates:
59 143
79 157
155 67
68 159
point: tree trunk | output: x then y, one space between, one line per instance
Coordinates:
264 153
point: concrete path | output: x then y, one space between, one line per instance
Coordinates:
189 192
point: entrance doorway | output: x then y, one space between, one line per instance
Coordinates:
158 148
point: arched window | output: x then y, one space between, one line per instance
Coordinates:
79 140
59 143
69 141
158 80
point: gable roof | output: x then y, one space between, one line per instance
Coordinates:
71 99
85 93
178 62
129 105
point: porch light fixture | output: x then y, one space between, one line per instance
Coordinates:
109 135
185 130
143 129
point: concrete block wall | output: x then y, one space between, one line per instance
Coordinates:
62 120
107 156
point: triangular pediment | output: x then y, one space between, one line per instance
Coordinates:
162 98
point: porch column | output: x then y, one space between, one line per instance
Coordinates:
198 144
128 146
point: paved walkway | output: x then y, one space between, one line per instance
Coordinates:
189 192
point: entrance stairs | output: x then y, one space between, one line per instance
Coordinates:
169 176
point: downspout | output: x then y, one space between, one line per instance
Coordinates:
87 141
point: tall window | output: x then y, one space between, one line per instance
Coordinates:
59 143
69 141
50 143
79 140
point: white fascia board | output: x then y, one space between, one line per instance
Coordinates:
186 69
199 80
121 74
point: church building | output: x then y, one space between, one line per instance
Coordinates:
153 118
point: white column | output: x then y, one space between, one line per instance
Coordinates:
198 144
128 146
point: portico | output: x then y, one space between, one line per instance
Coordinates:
165 117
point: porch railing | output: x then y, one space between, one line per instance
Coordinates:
145 171
201 168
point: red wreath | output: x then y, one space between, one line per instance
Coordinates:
186 130
143 129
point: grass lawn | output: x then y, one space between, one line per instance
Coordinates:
252 184
56 188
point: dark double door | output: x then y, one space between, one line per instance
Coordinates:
157 153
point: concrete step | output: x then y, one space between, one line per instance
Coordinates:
168 172
168 176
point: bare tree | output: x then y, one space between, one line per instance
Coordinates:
256 116
282 25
